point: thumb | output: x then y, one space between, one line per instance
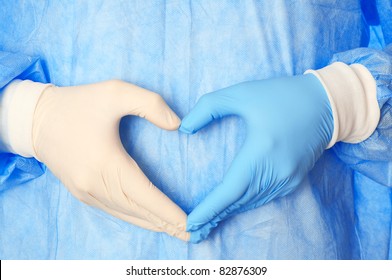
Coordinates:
211 106
134 100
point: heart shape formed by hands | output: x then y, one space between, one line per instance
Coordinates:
75 133
289 122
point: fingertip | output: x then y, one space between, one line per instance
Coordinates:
157 111
197 219
185 129
187 236
191 227
196 237
184 236
201 234
193 122
173 121
193 222
168 119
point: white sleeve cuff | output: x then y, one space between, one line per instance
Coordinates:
352 93
17 106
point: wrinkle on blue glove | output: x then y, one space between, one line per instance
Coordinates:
289 124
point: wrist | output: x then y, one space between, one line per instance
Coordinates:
17 106
352 94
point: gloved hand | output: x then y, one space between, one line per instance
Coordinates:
75 132
289 123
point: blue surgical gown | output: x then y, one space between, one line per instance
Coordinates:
182 50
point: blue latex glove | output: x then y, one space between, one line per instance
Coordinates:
289 124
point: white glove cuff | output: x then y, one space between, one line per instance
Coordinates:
352 93
17 106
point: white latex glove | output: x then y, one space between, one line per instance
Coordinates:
75 132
